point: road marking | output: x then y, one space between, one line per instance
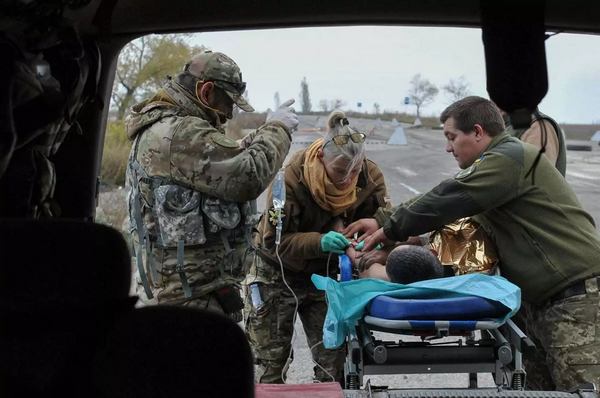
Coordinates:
406 172
411 189
585 184
581 175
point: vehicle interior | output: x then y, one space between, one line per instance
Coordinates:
64 284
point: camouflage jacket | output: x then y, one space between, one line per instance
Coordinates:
181 145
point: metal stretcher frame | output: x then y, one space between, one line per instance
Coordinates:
498 350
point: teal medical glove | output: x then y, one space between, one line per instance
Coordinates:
334 242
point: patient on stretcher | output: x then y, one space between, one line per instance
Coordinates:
404 264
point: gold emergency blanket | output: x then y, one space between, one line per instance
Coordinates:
465 246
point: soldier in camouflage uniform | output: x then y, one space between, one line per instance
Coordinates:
328 185
192 188
547 244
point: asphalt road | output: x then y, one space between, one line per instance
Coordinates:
415 168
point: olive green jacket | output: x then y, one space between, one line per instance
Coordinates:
545 240
305 221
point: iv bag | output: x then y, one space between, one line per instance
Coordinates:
278 191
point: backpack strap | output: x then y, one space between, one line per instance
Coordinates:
140 228
187 291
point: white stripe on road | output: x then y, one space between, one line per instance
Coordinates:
581 175
406 172
411 189
585 184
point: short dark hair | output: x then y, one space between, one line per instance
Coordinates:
473 110
412 264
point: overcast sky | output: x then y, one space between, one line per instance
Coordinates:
371 64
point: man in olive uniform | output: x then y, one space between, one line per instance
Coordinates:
547 244
192 188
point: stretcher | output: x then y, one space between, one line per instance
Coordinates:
453 335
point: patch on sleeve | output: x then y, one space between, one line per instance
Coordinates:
468 171
224 141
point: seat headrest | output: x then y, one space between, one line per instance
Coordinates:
167 351
61 263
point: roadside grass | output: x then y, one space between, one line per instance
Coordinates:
114 156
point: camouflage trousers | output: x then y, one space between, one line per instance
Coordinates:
270 329
567 335
204 275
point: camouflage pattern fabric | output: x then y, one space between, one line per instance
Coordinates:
190 151
567 335
271 345
181 144
203 270
178 212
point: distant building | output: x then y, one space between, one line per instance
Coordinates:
596 136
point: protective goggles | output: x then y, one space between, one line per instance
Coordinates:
343 139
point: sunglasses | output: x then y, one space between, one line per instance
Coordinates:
356 137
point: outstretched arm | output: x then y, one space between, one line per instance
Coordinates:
208 161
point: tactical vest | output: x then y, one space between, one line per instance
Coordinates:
172 216
561 160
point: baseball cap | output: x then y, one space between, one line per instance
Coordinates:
224 73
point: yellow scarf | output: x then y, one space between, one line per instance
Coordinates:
327 196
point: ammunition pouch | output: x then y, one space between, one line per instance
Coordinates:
178 216
220 214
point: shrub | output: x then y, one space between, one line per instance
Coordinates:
116 152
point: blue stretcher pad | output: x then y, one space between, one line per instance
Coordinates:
418 305
455 314
455 308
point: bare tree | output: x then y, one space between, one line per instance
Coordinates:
143 65
457 89
277 100
305 97
376 108
422 92
324 105
337 103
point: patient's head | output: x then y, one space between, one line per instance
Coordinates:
408 264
